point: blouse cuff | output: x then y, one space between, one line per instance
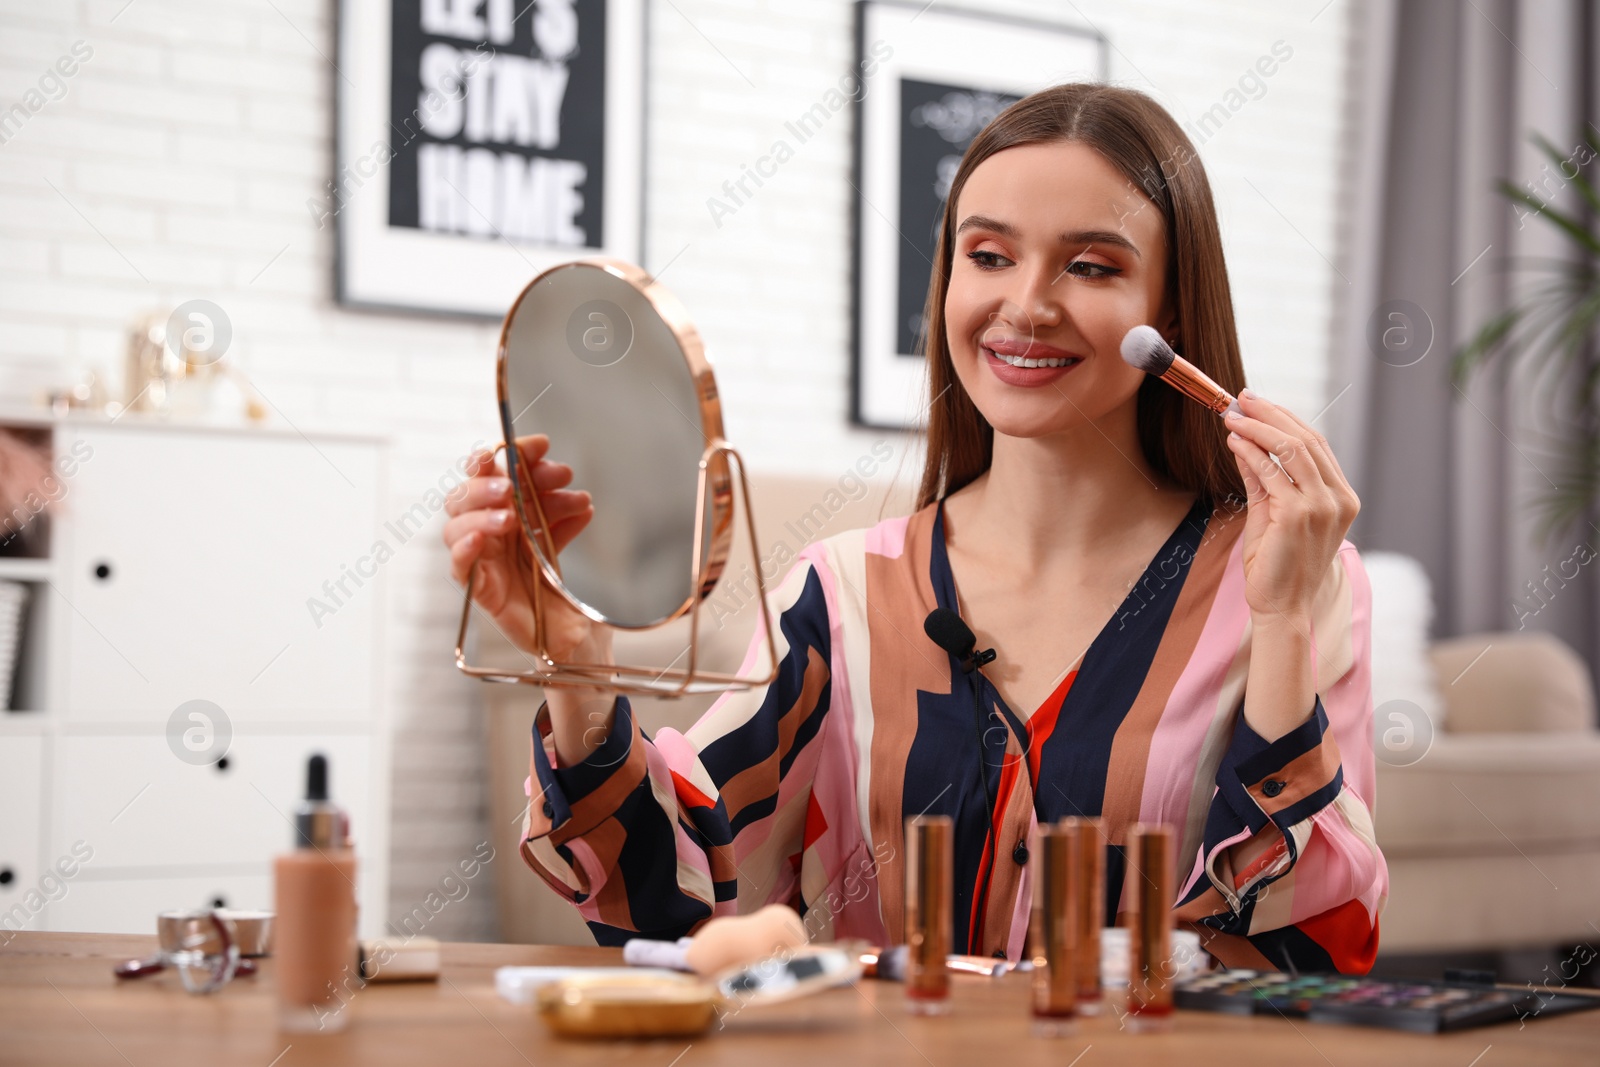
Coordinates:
1272 790
567 802
1284 781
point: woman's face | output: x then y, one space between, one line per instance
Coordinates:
1056 257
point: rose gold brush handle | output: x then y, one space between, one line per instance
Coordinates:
1195 384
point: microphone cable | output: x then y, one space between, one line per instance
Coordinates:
947 630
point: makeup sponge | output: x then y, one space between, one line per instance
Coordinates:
741 939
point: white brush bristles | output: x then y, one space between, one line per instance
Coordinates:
1145 349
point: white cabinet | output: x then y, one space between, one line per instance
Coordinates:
22 899
141 808
257 526
192 563
130 905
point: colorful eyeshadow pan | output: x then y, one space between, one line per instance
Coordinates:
1417 1006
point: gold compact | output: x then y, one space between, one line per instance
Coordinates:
627 1006
681 1005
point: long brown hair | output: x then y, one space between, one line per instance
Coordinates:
1180 440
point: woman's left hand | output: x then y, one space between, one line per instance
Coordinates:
1297 516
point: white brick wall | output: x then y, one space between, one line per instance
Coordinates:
194 135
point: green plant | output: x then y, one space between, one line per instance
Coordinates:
1550 331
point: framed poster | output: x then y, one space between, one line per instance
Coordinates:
481 141
946 74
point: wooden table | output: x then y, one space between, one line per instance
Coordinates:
59 1004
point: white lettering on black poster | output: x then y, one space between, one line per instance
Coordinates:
499 106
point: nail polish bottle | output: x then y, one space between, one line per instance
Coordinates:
315 957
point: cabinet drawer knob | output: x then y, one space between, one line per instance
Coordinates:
102 570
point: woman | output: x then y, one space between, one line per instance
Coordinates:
1182 630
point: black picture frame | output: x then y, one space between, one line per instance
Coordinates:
449 191
932 52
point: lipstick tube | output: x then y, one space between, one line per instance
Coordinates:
930 841
1090 908
1151 854
1053 933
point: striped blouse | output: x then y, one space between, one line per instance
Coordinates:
797 791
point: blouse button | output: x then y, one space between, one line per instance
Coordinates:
1272 787
1020 855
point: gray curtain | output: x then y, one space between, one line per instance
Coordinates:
1448 95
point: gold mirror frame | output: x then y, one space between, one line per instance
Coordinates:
713 485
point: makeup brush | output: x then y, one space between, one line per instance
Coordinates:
1145 349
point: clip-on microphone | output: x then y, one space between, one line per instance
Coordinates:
945 628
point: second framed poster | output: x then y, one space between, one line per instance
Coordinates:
948 72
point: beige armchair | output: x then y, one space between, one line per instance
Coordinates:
1493 836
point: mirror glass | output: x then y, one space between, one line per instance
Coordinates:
597 356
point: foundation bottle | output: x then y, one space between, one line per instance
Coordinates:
314 952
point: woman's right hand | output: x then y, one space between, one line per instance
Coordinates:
483 529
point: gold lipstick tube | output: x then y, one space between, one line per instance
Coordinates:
1053 932
1090 911
930 844
1151 877
1195 384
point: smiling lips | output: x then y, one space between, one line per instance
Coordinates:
1027 363
1020 353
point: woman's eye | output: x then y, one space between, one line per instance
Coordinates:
986 260
1084 269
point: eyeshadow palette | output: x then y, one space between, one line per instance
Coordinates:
1421 1006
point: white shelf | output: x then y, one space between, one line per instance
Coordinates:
25 417
23 569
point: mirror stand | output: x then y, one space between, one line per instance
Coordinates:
637 681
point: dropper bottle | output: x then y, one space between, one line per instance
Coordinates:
314 950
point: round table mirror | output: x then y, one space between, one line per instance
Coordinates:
599 357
